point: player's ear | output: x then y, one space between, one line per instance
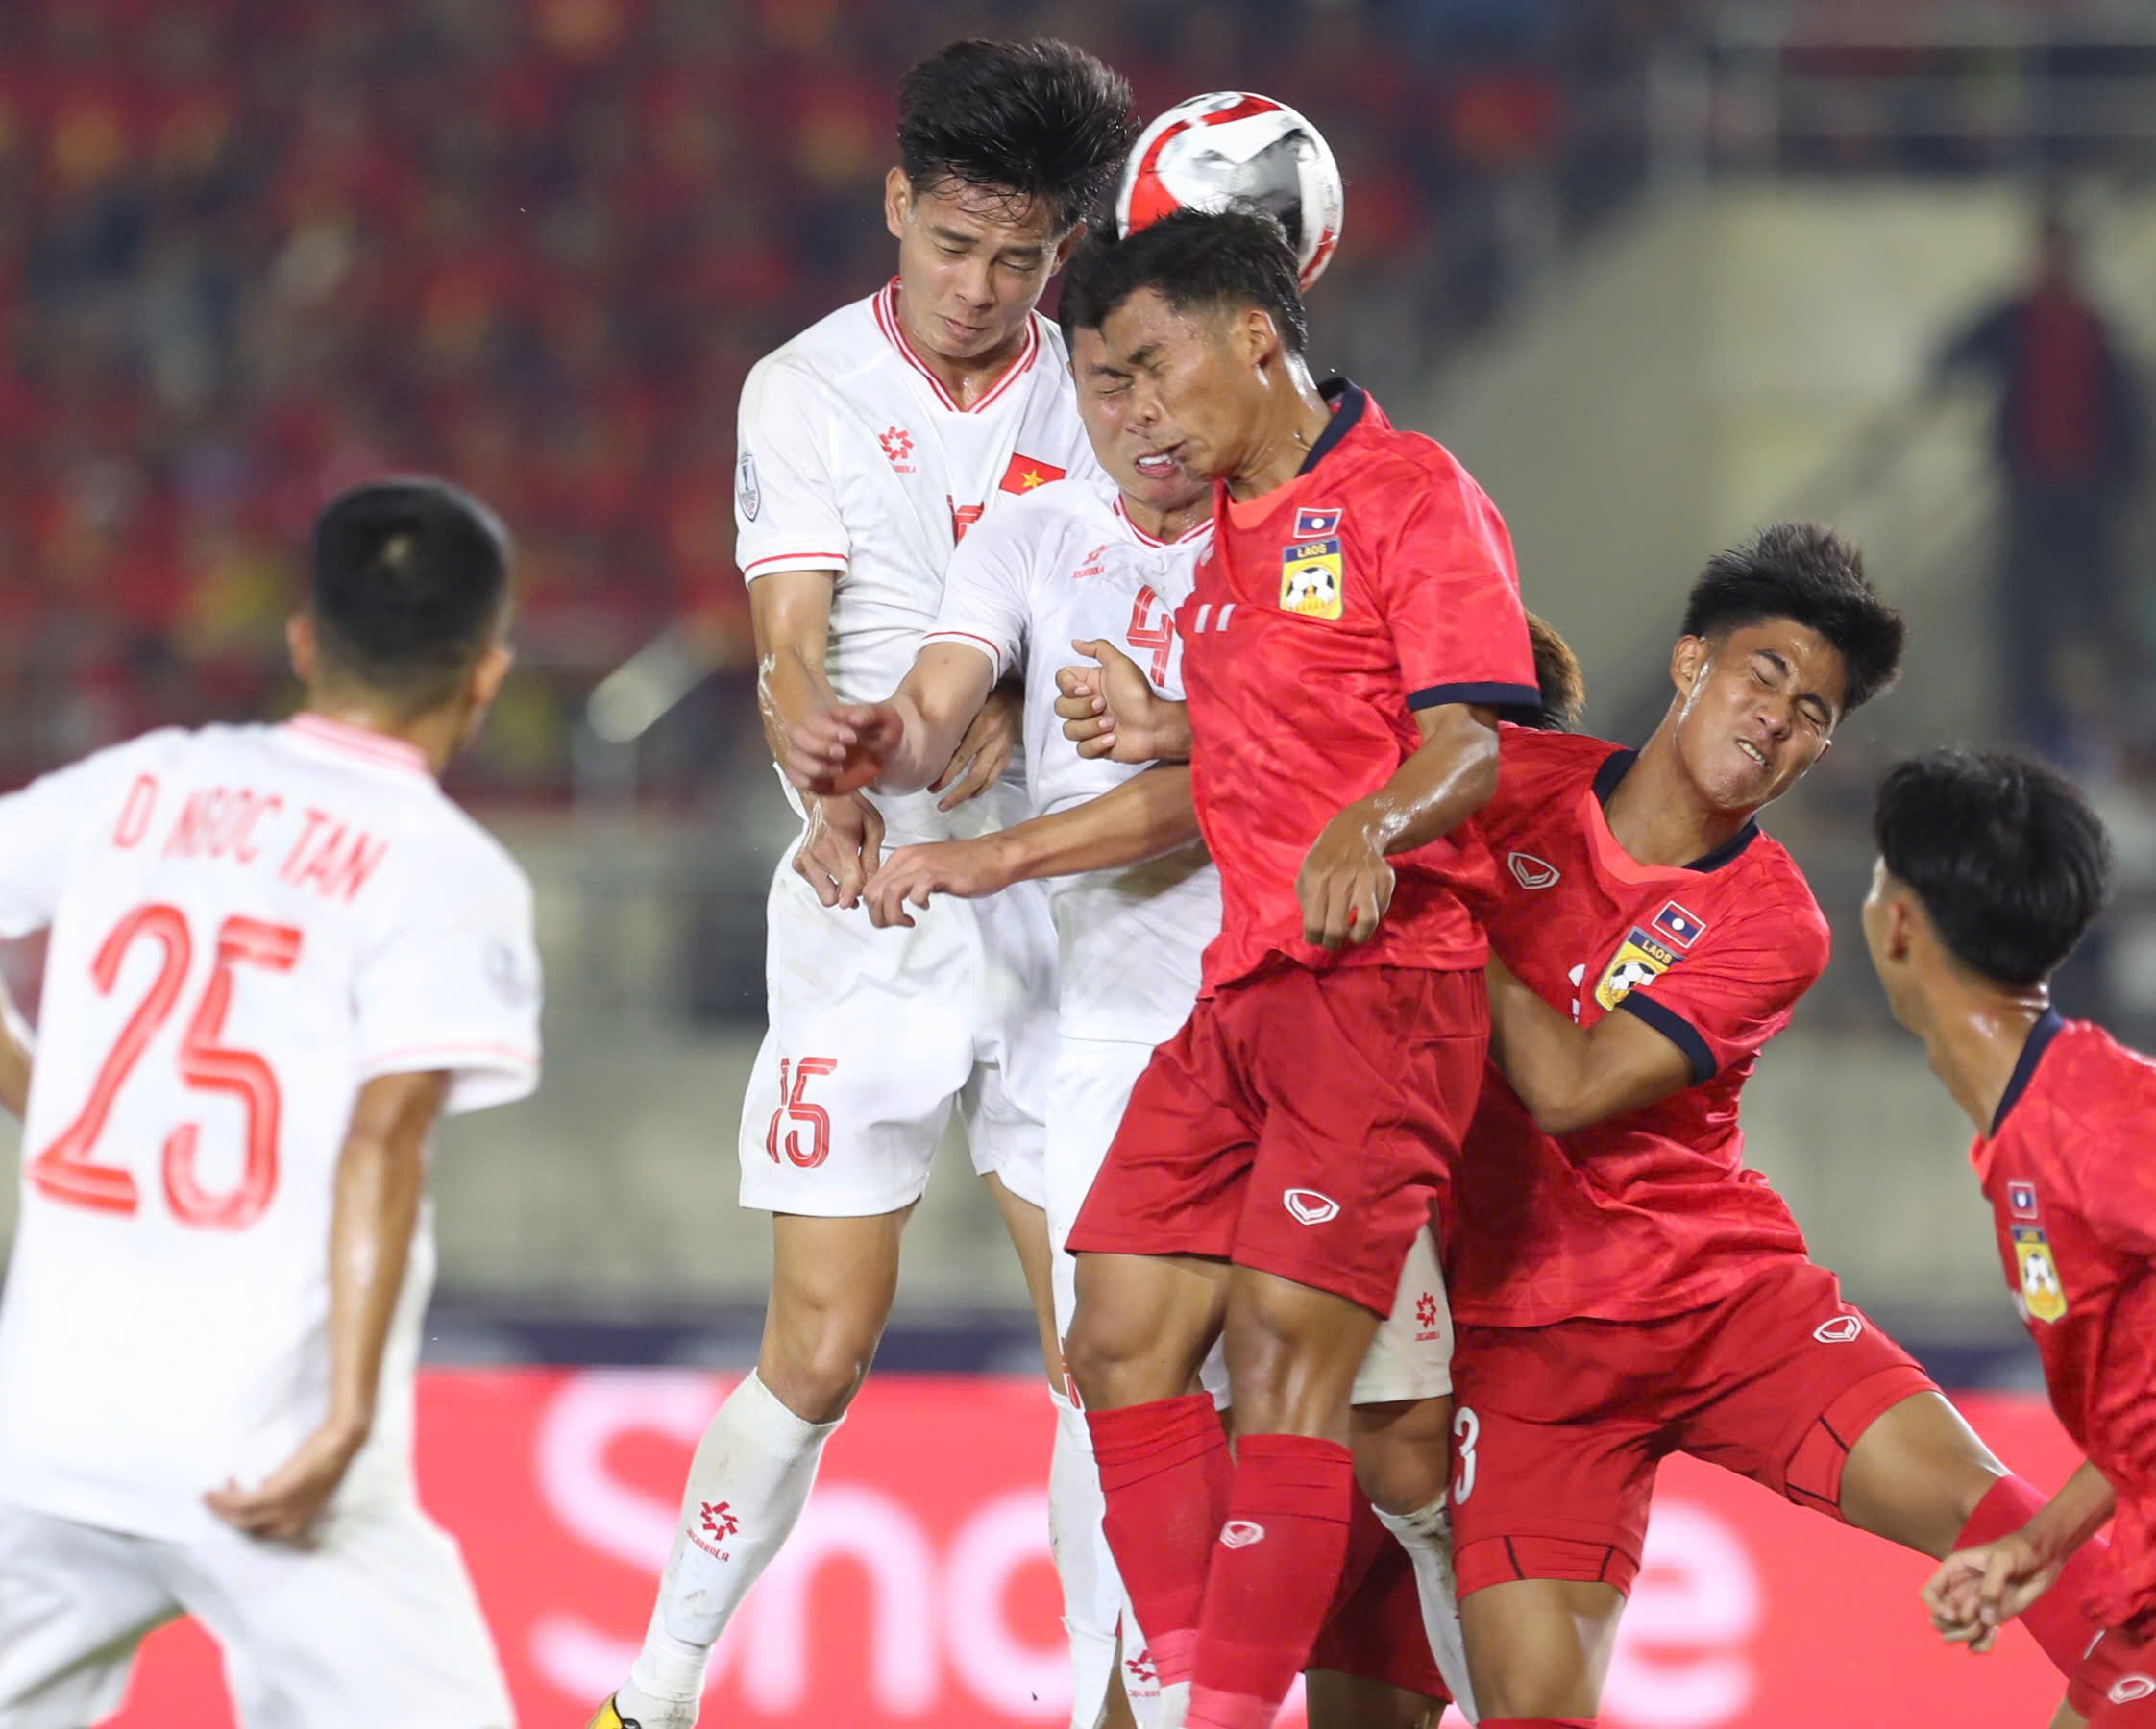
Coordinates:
1065 247
1255 336
1687 661
300 643
484 685
898 203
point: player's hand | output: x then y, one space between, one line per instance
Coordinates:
842 849
1111 709
965 868
839 750
987 749
286 1504
1346 882
1977 1591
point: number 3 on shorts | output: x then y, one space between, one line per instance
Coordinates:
793 1104
1466 1427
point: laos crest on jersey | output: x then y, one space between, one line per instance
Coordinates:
1313 581
2042 1295
1641 961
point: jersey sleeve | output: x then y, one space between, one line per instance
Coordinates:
1451 598
986 589
786 501
41 824
1736 989
456 984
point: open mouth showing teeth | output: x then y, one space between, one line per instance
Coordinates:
1752 751
1156 463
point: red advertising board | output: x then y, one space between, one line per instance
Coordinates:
917 1590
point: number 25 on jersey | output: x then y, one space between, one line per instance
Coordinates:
67 1171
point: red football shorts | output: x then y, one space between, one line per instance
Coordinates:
1302 1123
1558 1430
1377 1635
2115 1688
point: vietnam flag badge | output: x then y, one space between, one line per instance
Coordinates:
1026 475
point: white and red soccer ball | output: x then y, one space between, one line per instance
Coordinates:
1234 148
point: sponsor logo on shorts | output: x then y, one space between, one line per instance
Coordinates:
1241 1533
1532 872
2128 1687
1310 1208
1426 1318
1839 1330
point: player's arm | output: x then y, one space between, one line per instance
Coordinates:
1572 1076
934 705
1977 1591
791 613
1148 814
381 1177
1109 709
1345 884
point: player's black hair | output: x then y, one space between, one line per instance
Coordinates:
411 579
2009 860
1557 677
1806 573
1237 258
1038 119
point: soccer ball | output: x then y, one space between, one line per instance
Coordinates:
1230 147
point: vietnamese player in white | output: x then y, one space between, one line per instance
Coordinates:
869 446
277 954
1136 897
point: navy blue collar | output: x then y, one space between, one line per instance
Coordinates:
1347 401
1611 774
2049 1026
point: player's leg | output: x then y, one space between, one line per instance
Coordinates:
1092 1085
872 1039
376 1622
1366 1077
1152 1240
1833 1414
74 1604
1400 1427
1371 1667
1556 1436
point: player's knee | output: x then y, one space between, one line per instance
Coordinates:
1399 1472
817 1354
1101 1351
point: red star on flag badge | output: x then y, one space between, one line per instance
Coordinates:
1025 475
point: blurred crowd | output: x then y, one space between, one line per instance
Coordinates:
254 250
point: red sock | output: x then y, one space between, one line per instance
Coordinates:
1273 1575
2056 1621
1366 1541
1163 1472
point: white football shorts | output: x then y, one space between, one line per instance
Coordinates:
375 1622
876 1035
1411 1356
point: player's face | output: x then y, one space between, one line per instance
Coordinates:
972 263
1158 481
1755 710
1193 388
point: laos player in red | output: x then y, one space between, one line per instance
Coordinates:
1349 636
1990 870
1624 1288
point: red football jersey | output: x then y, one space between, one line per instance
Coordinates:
1654 1212
2067 1170
1379 582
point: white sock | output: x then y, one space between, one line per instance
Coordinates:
1092 1590
1426 1535
1175 1705
747 1484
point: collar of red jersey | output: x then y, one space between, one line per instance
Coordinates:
2049 1026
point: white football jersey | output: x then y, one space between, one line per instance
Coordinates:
854 458
247 923
1071 565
